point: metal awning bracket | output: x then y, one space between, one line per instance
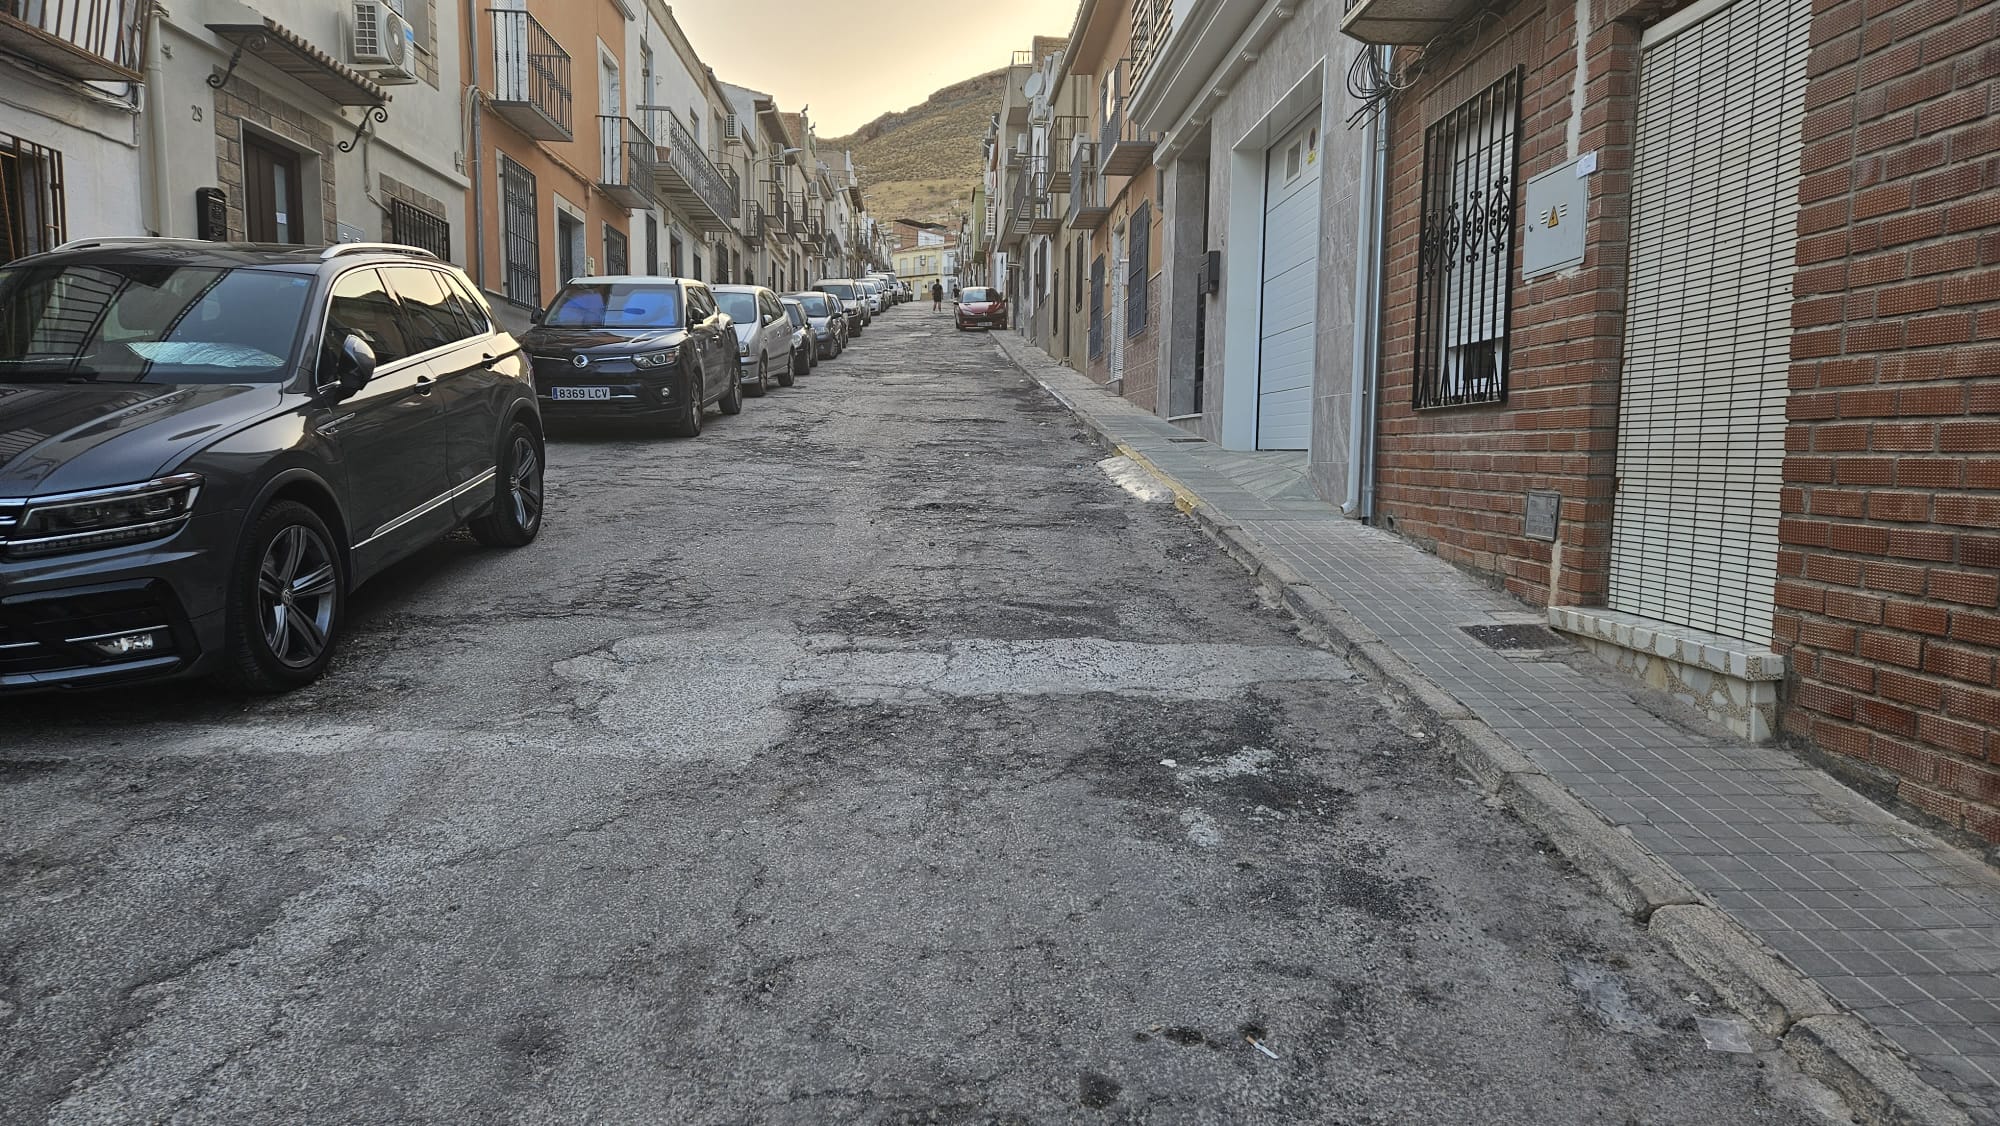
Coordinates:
377 113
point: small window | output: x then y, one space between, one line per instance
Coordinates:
1465 250
1292 161
435 318
361 306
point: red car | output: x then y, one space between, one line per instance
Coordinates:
978 306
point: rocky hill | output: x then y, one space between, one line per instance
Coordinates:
923 162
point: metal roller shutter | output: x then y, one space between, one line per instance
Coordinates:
1701 420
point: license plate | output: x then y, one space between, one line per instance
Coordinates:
580 392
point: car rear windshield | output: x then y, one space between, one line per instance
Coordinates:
149 322
814 306
615 305
839 289
794 314
741 307
976 295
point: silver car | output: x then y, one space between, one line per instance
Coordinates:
763 335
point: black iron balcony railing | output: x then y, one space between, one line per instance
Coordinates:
753 220
625 156
531 77
685 174
101 40
1087 207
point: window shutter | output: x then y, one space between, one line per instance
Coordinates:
1135 280
1701 414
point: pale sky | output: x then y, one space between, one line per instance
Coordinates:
853 61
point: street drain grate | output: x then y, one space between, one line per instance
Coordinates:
1187 439
1516 637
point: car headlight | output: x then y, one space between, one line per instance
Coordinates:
104 517
655 359
743 346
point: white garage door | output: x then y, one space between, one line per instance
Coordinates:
1701 412
1291 276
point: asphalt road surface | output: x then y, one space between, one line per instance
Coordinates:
874 757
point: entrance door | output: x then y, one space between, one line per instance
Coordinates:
272 194
1290 289
1701 411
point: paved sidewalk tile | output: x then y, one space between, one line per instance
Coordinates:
1897 926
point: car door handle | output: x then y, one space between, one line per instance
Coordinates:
424 384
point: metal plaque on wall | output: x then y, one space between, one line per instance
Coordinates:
1544 508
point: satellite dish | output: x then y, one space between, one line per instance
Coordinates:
1033 88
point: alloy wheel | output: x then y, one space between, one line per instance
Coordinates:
524 484
296 592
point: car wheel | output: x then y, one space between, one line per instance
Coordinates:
287 596
516 517
732 399
687 422
763 385
791 370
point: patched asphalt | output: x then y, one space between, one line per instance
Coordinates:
879 756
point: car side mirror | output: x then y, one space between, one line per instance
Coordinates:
356 365
535 316
768 318
723 321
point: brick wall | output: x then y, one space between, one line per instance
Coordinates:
1456 478
1889 592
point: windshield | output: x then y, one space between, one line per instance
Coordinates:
148 322
839 289
615 305
814 305
741 307
976 295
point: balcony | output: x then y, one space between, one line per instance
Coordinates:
1087 207
94 40
683 176
1067 129
625 158
531 88
1122 147
753 221
1402 22
1023 64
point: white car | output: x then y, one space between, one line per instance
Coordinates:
763 335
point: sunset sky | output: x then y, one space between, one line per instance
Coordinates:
861 60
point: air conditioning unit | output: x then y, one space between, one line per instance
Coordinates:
380 38
729 127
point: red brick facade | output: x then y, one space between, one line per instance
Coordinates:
1889 587
1457 478
1890 572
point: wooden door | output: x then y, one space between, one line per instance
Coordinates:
272 197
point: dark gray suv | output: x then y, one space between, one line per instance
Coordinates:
204 447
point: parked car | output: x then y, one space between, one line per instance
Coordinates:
763 335
827 320
872 290
979 305
805 353
206 447
635 347
890 294
850 293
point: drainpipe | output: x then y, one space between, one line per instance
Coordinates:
156 123
478 247
1369 284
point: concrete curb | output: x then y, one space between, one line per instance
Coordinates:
1839 1050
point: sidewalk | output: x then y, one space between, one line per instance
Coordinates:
1900 929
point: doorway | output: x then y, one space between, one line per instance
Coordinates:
1288 289
273 195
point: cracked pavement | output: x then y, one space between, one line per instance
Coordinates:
879 756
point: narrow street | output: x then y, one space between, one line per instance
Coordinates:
873 757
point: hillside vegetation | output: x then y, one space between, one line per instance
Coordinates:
923 162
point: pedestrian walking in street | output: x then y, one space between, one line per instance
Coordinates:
937 296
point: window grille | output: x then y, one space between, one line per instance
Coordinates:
1097 306
33 216
1140 260
652 245
615 252
523 246
1465 249
413 226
